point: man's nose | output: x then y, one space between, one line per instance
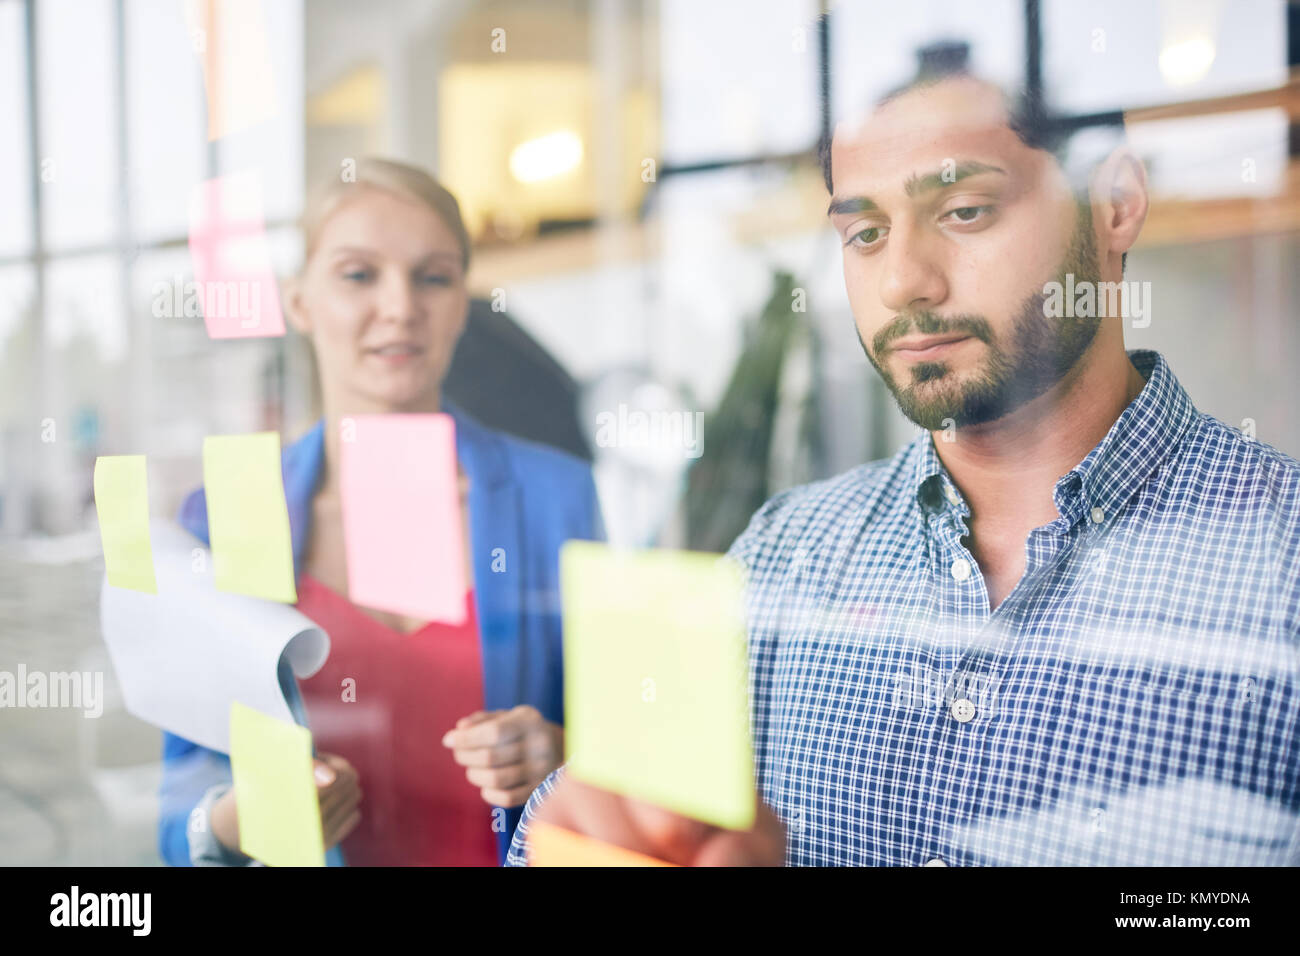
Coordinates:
913 278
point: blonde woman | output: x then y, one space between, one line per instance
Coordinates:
452 727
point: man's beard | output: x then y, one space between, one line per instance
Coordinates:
1043 351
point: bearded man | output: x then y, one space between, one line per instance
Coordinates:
1062 625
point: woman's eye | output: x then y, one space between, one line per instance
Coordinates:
435 280
357 275
969 213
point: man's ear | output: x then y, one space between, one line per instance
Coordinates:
1119 202
293 305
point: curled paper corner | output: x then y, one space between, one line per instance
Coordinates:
182 655
307 651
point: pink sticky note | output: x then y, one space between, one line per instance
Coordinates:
233 280
401 515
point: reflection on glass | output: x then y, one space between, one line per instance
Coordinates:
165 108
1169 51
15 171
738 81
84 316
78 108
869 59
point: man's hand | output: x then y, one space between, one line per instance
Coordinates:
506 753
659 833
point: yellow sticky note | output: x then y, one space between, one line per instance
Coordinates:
122 503
248 520
556 846
275 791
655 683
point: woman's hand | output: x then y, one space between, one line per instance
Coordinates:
337 786
506 753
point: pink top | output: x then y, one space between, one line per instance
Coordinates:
383 701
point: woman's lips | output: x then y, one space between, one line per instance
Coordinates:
396 354
922 350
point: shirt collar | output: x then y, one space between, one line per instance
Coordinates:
1144 435
935 490
1142 438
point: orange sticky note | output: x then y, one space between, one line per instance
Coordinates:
233 279
229 37
556 846
401 515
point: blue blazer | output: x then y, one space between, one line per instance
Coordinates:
525 501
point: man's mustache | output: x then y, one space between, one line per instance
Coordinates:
927 323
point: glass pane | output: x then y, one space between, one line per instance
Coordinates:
198 386
17 332
1211 157
165 118
738 85
84 316
179 372
874 44
1111 54
78 120
19 402
15 158
160 279
285 248
86 390
275 146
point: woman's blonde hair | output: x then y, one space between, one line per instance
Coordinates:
408 182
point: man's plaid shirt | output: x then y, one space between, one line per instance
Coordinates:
1133 701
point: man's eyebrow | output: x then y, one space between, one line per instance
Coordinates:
839 207
946 177
915 184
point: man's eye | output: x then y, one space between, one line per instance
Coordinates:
865 237
969 213
357 275
435 280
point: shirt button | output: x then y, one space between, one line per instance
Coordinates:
1098 516
935 862
962 710
961 569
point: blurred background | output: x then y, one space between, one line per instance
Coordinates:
641 183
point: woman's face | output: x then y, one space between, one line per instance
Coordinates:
383 300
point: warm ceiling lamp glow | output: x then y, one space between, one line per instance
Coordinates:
546 157
1184 63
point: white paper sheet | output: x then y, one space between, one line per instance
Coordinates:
184 654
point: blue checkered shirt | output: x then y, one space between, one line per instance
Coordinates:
1133 701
